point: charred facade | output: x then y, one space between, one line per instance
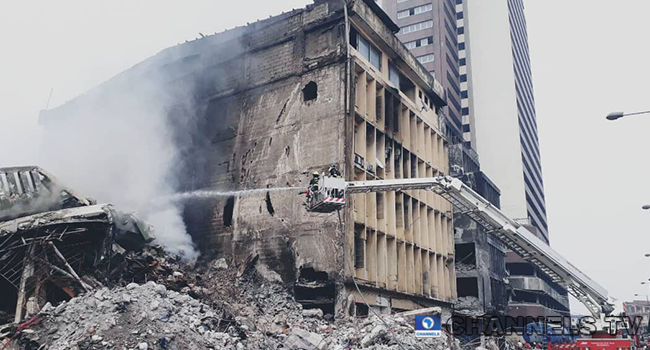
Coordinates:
272 102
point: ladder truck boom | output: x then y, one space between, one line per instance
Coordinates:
331 196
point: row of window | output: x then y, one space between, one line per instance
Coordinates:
419 43
426 58
414 11
449 15
416 27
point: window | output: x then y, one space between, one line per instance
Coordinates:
416 27
393 74
462 61
419 42
375 57
465 110
463 94
422 9
452 66
452 33
459 15
426 58
401 1
365 48
461 46
463 78
452 49
414 11
460 30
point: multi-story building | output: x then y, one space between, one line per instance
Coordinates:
271 102
428 28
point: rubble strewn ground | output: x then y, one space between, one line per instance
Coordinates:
207 306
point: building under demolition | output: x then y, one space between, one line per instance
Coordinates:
269 103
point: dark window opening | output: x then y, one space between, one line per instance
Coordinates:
467 287
520 269
269 205
362 310
228 210
359 250
407 87
466 253
310 91
524 297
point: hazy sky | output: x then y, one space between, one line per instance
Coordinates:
588 58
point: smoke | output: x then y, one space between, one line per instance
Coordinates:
118 144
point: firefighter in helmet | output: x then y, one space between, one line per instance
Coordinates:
334 171
313 183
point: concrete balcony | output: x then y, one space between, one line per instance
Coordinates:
536 284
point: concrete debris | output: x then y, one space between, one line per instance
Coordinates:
205 308
312 313
469 306
57 244
220 264
300 339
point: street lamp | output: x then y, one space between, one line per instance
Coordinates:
645 207
617 115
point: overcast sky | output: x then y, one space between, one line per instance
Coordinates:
588 58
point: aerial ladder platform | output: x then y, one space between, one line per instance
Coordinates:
333 190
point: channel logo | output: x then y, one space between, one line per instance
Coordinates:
427 326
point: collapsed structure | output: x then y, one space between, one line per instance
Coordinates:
50 237
274 101
280 98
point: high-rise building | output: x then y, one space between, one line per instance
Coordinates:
498 106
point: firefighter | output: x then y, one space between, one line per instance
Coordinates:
313 183
334 171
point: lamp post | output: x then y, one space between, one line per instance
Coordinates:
618 115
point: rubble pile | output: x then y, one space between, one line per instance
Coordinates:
211 306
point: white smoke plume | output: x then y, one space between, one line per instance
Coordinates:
116 144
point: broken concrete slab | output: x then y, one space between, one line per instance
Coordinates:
300 339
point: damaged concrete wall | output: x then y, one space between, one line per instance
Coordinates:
251 126
263 106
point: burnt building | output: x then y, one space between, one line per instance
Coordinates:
271 102
531 291
480 257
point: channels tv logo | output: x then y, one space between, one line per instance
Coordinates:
427 326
